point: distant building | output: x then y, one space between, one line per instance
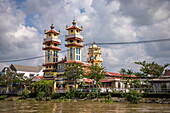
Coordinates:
161 84
115 81
28 71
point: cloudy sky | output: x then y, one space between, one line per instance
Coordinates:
22 23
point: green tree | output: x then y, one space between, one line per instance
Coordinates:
153 69
74 71
7 80
133 96
42 88
97 73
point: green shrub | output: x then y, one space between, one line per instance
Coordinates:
24 94
2 97
92 95
133 96
55 95
40 96
108 96
71 94
122 94
81 95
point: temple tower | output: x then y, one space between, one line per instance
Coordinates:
74 43
94 55
51 47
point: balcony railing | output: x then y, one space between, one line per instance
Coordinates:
52 39
74 35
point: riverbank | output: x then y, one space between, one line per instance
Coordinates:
101 99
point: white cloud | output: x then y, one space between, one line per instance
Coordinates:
102 20
17 40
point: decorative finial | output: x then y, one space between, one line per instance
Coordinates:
74 22
52 27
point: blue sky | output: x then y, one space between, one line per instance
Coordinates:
23 22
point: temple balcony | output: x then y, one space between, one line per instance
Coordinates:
73 35
52 39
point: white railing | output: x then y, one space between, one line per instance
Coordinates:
52 39
74 35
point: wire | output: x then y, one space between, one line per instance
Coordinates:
136 42
116 43
3 61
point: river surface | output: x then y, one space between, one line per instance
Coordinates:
81 107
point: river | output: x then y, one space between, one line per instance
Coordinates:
81 107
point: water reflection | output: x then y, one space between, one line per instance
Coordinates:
80 107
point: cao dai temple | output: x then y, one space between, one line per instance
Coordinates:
54 69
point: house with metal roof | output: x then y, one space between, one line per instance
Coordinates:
28 71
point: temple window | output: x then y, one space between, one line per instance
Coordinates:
71 41
48 44
55 44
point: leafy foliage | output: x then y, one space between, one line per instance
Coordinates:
9 79
92 95
96 72
42 88
74 71
153 69
71 94
133 96
24 94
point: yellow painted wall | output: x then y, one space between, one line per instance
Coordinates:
51 35
74 31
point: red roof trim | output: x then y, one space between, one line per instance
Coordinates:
74 27
77 38
74 45
63 61
118 75
56 48
52 31
49 64
74 62
52 42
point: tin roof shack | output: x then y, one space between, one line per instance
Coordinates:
161 84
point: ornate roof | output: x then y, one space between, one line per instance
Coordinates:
74 26
51 30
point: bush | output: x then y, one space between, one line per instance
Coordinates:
2 97
133 96
91 95
108 96
24 94
44 86
40 96
71 94
55 95
81 95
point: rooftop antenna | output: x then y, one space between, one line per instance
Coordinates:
94 40
52 21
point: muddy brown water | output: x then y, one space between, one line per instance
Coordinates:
81 107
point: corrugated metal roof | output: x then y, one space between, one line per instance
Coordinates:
26 68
